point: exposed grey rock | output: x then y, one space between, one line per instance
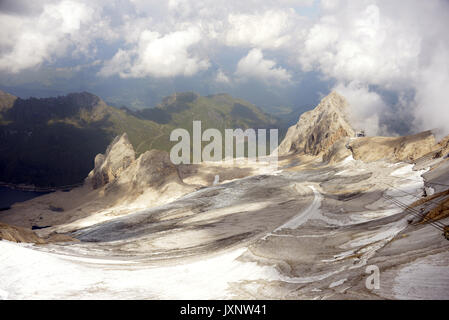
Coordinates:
119 156
120 171
317 130
153 169
393 149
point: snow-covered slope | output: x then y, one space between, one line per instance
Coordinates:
310 230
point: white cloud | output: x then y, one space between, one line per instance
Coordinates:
267 30
221 77
358 44
28 41
368 47
365 107
158 55
431 100
256 67
398 46
120 62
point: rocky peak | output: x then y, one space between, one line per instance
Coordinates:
152 169
39 110
83 99
317 130
118 156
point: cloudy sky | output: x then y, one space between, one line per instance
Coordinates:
389 58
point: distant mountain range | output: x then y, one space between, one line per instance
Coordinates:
52 141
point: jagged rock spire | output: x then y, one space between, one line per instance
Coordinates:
320 128
118 156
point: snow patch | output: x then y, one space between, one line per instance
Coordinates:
337 283
425 278
29 274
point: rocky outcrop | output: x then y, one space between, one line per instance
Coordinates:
154 168
327 132
119 156
118 167
391 149
337 152
407 148
118 185
6 101
443 148
317 130
19 234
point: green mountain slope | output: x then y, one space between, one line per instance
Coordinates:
219 111
53 141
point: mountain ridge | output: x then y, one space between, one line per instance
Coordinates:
50 142
326 132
